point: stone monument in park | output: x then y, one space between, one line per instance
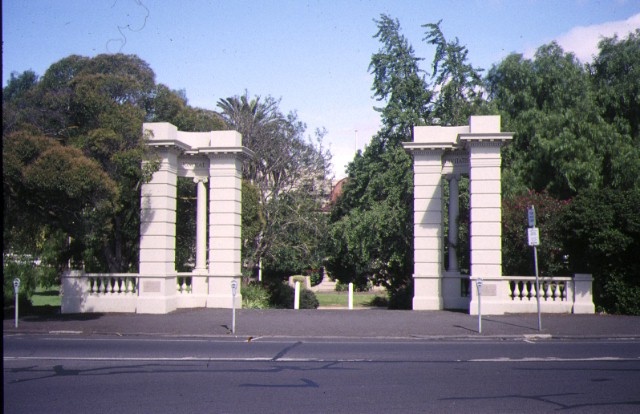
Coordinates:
450 152
213 160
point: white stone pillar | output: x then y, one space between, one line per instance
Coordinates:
454 212
486 209
225 191
427 229
157 284
201 224
483 143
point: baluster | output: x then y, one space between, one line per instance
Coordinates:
553 291
531 293
520 286
179 284
512 289
125 282
184 285
91 285
563 291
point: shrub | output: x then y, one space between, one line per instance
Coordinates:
255 296
308 300
282 296
401 298
601 231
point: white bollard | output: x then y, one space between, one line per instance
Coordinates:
350 295
296 302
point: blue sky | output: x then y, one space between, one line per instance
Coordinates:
313 54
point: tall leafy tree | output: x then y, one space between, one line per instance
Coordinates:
372 223
291 174
461 85
562 144
399 83
616 77
85 113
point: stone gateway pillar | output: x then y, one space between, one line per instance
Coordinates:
213 158
449 152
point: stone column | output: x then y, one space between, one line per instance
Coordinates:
201 224
157 285
486 209
225 190
483 143
453 223
427 229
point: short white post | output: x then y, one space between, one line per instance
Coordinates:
296 302
350 295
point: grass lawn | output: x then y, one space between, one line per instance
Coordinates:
51 297
46 297
341 299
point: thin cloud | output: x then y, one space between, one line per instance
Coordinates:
583 40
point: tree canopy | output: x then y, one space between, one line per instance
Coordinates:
576 133
291 177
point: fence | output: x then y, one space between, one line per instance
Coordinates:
129 292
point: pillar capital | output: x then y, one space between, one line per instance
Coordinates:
200 180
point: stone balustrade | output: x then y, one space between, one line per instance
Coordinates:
517 294
126 292
132 292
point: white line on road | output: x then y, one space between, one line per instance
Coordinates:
270 359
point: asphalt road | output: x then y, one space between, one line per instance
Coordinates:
111 374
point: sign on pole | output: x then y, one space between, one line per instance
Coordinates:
531 216
533 236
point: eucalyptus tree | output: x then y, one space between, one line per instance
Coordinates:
291 174
79 127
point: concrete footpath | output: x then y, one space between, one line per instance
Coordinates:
329 323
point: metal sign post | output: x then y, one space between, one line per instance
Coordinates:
16 289
234 290
533 236
479 285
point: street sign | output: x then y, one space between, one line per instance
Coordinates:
531 216
533 236
234 287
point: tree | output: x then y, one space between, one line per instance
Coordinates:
517 255
616 76
461 93
372 223
562 144
291 176
74 138
601 232
399 82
